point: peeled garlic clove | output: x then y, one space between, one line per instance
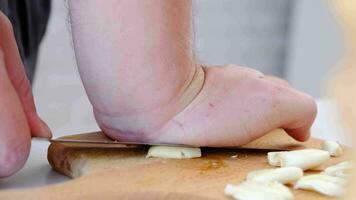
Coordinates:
304 159
282 175
332 147
273 158
322 183
251 190
342 169
173 152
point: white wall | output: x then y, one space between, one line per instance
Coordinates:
251 33
315 47
58 91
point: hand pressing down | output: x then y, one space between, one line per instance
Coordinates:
233 106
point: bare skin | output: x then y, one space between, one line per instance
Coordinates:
18 118
138 69
220 116
151 89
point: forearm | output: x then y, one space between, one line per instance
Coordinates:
134 54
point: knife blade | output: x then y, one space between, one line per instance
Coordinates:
97 139
276 139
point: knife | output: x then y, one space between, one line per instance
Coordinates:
99 140
276 139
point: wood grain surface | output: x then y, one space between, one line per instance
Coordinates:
102 173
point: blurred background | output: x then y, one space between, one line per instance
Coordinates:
298 40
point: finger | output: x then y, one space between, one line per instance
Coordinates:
301 134
15 134
17 75
297 114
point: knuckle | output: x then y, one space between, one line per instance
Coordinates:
244 70
277 80
231 65
285 82
276 90
235 67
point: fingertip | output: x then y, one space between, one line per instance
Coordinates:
300 134
46 130
42 130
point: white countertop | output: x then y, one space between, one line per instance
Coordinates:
37 171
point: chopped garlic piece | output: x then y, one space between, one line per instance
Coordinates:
324 184
282 175
173 152
332 147
273 158
304 159
251 190
342 169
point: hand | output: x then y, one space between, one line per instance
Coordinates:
18 118
234 106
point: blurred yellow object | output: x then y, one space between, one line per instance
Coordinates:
343 85
346 11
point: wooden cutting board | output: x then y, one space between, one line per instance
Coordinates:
126 174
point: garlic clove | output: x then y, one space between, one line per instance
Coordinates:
173 152
283 175
252 190
273 158
304 159
322 183
333 148
343 169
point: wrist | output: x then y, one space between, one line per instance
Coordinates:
143 125
192 87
